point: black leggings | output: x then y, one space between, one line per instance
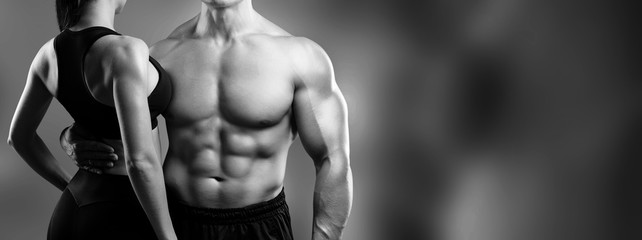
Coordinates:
99 207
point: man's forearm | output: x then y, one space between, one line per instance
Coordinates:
332 198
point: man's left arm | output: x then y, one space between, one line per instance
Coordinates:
321 118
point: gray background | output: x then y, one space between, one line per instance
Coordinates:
469 119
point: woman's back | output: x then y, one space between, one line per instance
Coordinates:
85 62
78 66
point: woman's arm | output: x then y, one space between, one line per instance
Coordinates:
129 71
23 137
157 142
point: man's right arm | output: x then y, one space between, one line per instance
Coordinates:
87 152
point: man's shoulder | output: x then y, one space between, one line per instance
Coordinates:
179 34
295 46
307 53
306 46
162 47
182 31
270 33
308 59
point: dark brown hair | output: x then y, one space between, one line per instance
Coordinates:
68 12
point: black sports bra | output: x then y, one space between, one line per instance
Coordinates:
99 119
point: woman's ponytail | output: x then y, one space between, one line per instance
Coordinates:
68 12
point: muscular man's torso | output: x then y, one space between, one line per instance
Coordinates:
229 122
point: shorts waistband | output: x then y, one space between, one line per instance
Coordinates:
252 213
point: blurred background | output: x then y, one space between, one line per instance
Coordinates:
469 119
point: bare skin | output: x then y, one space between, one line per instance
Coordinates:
118 74
243 89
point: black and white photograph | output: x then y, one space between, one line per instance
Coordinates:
322 120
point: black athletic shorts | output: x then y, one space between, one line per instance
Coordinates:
97 207
265 220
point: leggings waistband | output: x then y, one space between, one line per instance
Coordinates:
89 188
251 213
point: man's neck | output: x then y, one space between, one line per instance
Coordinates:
97 13
224 23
